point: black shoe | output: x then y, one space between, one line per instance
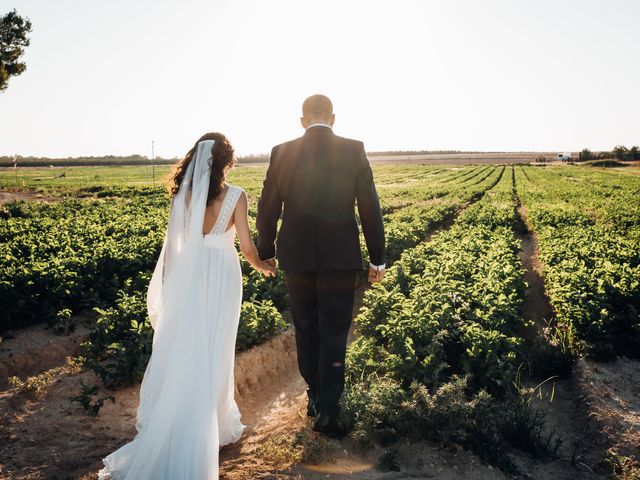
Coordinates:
329 426
311 408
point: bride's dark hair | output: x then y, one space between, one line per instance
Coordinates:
222 155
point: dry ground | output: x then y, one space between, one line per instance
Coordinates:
6 196
462 158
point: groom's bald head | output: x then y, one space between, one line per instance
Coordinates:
317 109
317 105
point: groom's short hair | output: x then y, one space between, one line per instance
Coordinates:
317 105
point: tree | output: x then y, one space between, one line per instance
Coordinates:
619 152
634 153
585 155
13 39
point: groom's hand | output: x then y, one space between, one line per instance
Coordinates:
267 268
274 265
375 275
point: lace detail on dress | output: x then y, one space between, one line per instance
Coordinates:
228 205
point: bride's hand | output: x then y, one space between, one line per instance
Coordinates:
268 268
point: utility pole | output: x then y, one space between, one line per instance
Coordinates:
153 162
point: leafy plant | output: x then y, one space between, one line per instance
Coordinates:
85 398
258 322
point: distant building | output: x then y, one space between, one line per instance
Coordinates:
564 156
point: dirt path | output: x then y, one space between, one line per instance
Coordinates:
43 435
7 196
536 306
272 403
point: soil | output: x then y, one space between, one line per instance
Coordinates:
6 196
596 413
611 394
44 435
536 306
31 350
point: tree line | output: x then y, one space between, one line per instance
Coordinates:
619 152
107 160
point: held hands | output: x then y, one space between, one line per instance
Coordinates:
375 275
268 267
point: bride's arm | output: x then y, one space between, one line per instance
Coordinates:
247 247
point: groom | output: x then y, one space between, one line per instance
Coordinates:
318 178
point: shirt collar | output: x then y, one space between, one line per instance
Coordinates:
319 125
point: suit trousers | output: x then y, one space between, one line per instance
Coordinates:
322 309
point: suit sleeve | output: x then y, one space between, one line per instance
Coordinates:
369 210
269 209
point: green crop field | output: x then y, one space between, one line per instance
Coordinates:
441 346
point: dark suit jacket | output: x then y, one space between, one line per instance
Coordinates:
318 178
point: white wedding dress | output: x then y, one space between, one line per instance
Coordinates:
187 409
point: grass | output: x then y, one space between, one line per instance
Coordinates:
70 179
61 180
35 386
300 447
623 467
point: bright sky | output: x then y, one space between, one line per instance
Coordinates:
108 77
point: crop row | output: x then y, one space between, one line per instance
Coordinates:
439 341
407 226
73 254
96 250
79 254
588 231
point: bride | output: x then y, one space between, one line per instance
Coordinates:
187 408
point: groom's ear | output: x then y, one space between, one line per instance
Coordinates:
304 122
332 120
